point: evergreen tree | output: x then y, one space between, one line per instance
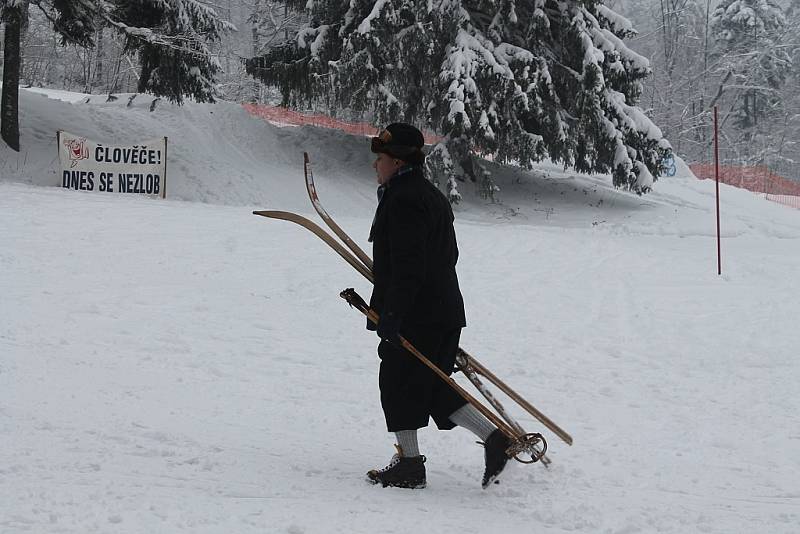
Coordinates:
519 81
72 20
171 38
748 34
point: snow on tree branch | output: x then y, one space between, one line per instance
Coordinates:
520 81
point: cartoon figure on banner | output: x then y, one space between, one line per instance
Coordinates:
77 150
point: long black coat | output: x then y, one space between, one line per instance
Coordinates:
414 255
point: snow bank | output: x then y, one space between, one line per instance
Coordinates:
179 367
217 153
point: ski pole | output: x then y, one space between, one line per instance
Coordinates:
520 443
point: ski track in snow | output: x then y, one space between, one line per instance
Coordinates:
177 366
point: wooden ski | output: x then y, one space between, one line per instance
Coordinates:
471 368
467 363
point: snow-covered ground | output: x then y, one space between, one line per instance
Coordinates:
184 366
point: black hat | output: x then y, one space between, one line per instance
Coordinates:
401 141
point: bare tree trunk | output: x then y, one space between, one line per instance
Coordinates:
87 64
672 29
23 40
720 89
12 60
99 59
706 28
255 19
222 45
665 29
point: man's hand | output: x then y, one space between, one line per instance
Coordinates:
389 327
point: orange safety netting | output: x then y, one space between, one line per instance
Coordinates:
284 116
758 179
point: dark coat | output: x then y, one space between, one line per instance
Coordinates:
414 255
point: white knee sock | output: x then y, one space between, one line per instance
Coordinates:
473 420
407 439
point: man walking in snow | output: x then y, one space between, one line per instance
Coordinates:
416 294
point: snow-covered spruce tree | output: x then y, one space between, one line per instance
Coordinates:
520 81
748 35
171 38
72 20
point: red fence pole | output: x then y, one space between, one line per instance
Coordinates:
716 174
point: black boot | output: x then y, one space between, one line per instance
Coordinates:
495 456
401 472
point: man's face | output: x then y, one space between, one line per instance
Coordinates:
385 166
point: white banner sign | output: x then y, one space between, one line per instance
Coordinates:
91 166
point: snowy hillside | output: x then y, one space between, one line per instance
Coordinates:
184 366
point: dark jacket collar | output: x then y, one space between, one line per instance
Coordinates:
401 172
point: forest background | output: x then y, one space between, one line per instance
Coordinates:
743 56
